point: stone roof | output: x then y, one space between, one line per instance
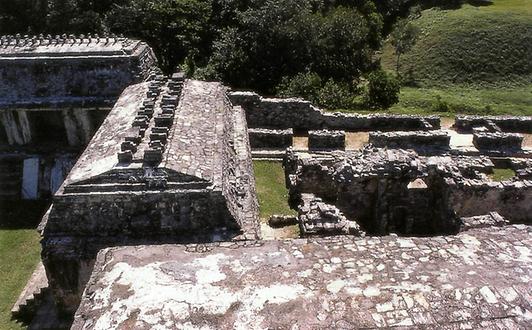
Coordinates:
16 48
194 142
475 279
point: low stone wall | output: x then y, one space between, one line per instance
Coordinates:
302 115
519 124
511 199
497 140
483 221
410 140
325 139
270 138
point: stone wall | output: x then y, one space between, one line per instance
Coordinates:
70 71
410 140
519 124
326 139
263 138
497 141
511 199
302 115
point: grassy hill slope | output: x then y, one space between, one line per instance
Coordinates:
487 46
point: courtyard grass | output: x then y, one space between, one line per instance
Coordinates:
502 174
271 190
19 255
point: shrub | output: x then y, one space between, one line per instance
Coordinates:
336 95
439 105
382 90
306 85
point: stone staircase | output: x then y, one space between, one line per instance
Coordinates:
10 178
31 297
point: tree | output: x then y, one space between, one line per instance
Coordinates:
382 90
403 38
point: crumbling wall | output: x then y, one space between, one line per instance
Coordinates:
302 115
511 199
417 140
519 124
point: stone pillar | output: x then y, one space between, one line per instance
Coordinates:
71 127
30 178
17 131
85 125
78 126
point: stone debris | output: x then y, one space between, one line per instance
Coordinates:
476 279
482 221
317 217
518 124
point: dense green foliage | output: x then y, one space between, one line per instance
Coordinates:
383 90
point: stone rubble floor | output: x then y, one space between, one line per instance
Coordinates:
476 279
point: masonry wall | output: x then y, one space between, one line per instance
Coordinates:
302 115
512 200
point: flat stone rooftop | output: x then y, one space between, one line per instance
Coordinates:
479 278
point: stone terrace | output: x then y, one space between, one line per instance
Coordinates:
476 279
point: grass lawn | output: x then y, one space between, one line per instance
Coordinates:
19 255
502 174
271 190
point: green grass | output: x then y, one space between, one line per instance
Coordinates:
486 46
19 255
271 190
502 174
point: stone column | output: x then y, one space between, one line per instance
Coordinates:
78 126
17 131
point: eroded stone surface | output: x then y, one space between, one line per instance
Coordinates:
475 279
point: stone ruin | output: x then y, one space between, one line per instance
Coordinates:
170 164
162 203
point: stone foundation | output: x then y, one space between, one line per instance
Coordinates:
497 141
519 124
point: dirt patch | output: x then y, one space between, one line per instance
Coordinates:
356 140
446 122
527 141
300 142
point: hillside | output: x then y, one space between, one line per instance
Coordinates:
487 46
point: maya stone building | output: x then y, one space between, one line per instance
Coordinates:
171 163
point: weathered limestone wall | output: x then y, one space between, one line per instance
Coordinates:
70 71
511 199
497 141
33 176
302 115
519 124
410 140
263 138
326 139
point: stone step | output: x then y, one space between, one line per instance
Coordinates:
31 296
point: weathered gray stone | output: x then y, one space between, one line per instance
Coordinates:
326 139
476 279
263 138
417 140
195 185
